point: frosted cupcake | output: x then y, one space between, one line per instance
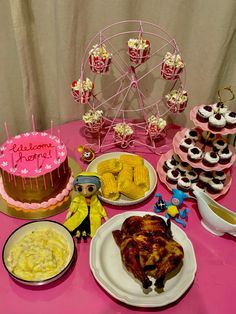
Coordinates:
219 144
220 108
216 122
225 156
215 186
172 66
205 176
192 175
184 184
193 134
194 154
170 164
210 159
184 167
99 59
230 118
204 112
82 91
176 100
185 144
139 50
220 175
173 176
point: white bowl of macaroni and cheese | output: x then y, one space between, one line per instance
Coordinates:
39 252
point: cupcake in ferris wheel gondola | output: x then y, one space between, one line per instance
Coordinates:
172 65
82 90
139 50
99 59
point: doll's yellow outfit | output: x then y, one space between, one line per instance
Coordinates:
79 209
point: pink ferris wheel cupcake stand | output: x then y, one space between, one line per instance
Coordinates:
122 68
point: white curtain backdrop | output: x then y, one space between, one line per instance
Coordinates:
42 42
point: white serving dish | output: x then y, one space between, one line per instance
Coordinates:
109 271
26 229
123 200
216 219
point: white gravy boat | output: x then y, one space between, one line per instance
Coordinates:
215 218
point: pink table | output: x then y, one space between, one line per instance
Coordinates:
213 290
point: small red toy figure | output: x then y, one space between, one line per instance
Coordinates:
88 154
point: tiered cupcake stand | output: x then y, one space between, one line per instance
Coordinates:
198 166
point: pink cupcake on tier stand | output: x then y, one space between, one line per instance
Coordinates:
139 50
93 120
176 100
82 90
155 127
172 66
123 134
99 59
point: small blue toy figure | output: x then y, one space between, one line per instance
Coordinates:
172 207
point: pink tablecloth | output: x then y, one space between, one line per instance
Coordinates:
213 290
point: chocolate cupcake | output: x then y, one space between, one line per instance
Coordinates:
199 184
225 155
210 159
170 164
230 118
219 144
183 167
216 122
215 186
220 175
185 144
205 176
220 108
204 112
184 184
193 134
173 176
191 175
194 154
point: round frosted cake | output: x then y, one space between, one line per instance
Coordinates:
34 171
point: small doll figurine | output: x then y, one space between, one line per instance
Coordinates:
85 211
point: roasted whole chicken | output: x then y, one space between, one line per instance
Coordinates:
148 249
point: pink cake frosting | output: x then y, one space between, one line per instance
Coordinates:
32 154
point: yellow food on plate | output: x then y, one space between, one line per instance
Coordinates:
130 189
39 255
141 177
112 165
126 172
109 186
132 160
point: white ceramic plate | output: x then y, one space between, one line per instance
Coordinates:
123 200
108 270
26 229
